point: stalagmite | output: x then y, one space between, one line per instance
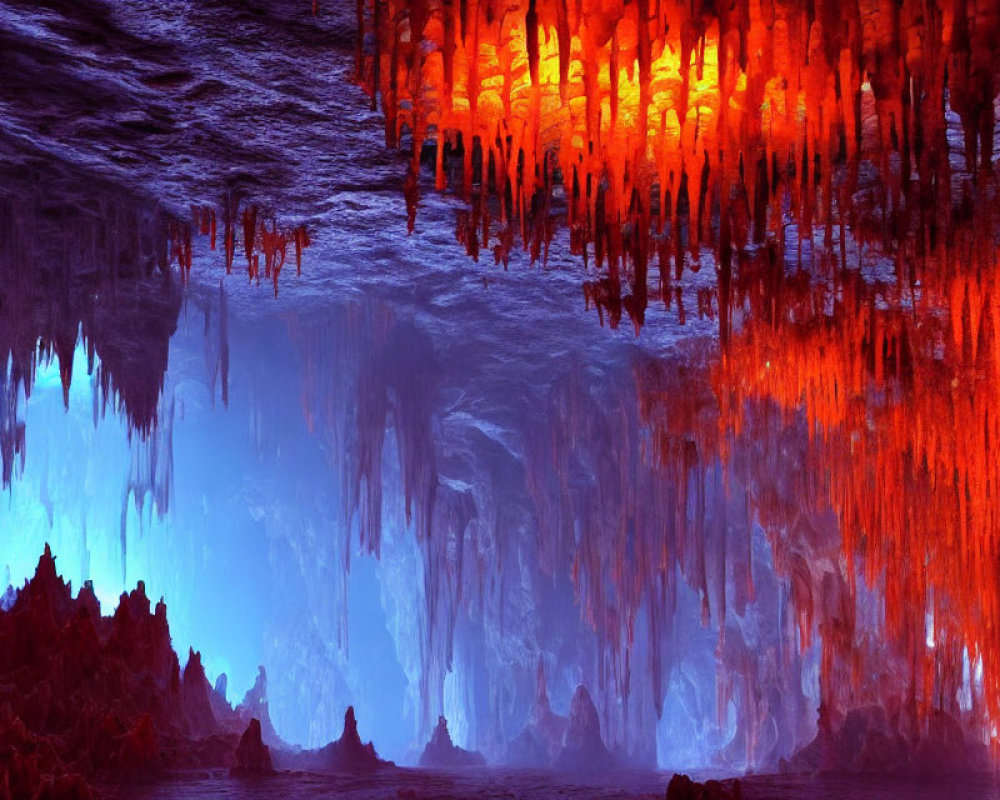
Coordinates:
253 757
441 753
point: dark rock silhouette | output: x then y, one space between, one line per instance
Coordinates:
253 757
197 697
873 740
441 752
681 787
82 694
540 741
583 749
348 754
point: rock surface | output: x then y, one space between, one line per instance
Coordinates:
583 748
346 754
871 740
442 753
82 694
253 757
681 787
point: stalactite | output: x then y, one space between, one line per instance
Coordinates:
101 274
899 391
667 127
75 277
258 239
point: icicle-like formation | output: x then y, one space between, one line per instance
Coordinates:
98 268
899 389
380 372
645 496
671 125
91 270
261 236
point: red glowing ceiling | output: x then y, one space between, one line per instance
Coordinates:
672 124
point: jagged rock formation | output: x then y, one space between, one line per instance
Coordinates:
441 753
583 748
681 787
347 754
196 692
217 698
253 757
82 694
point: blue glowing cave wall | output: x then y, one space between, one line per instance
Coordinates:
236 516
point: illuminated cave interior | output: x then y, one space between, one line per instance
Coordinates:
554 394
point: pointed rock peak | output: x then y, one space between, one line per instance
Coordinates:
441 734
138 600
256 698
89 600
583 749
253 757
584 725
222 685
350 735
348 753
45 572
441 752
47 584
350 721
194 669
582 706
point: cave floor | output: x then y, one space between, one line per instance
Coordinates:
418 784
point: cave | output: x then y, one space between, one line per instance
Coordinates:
499 398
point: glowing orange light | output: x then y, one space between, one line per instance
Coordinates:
901 394
671 125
